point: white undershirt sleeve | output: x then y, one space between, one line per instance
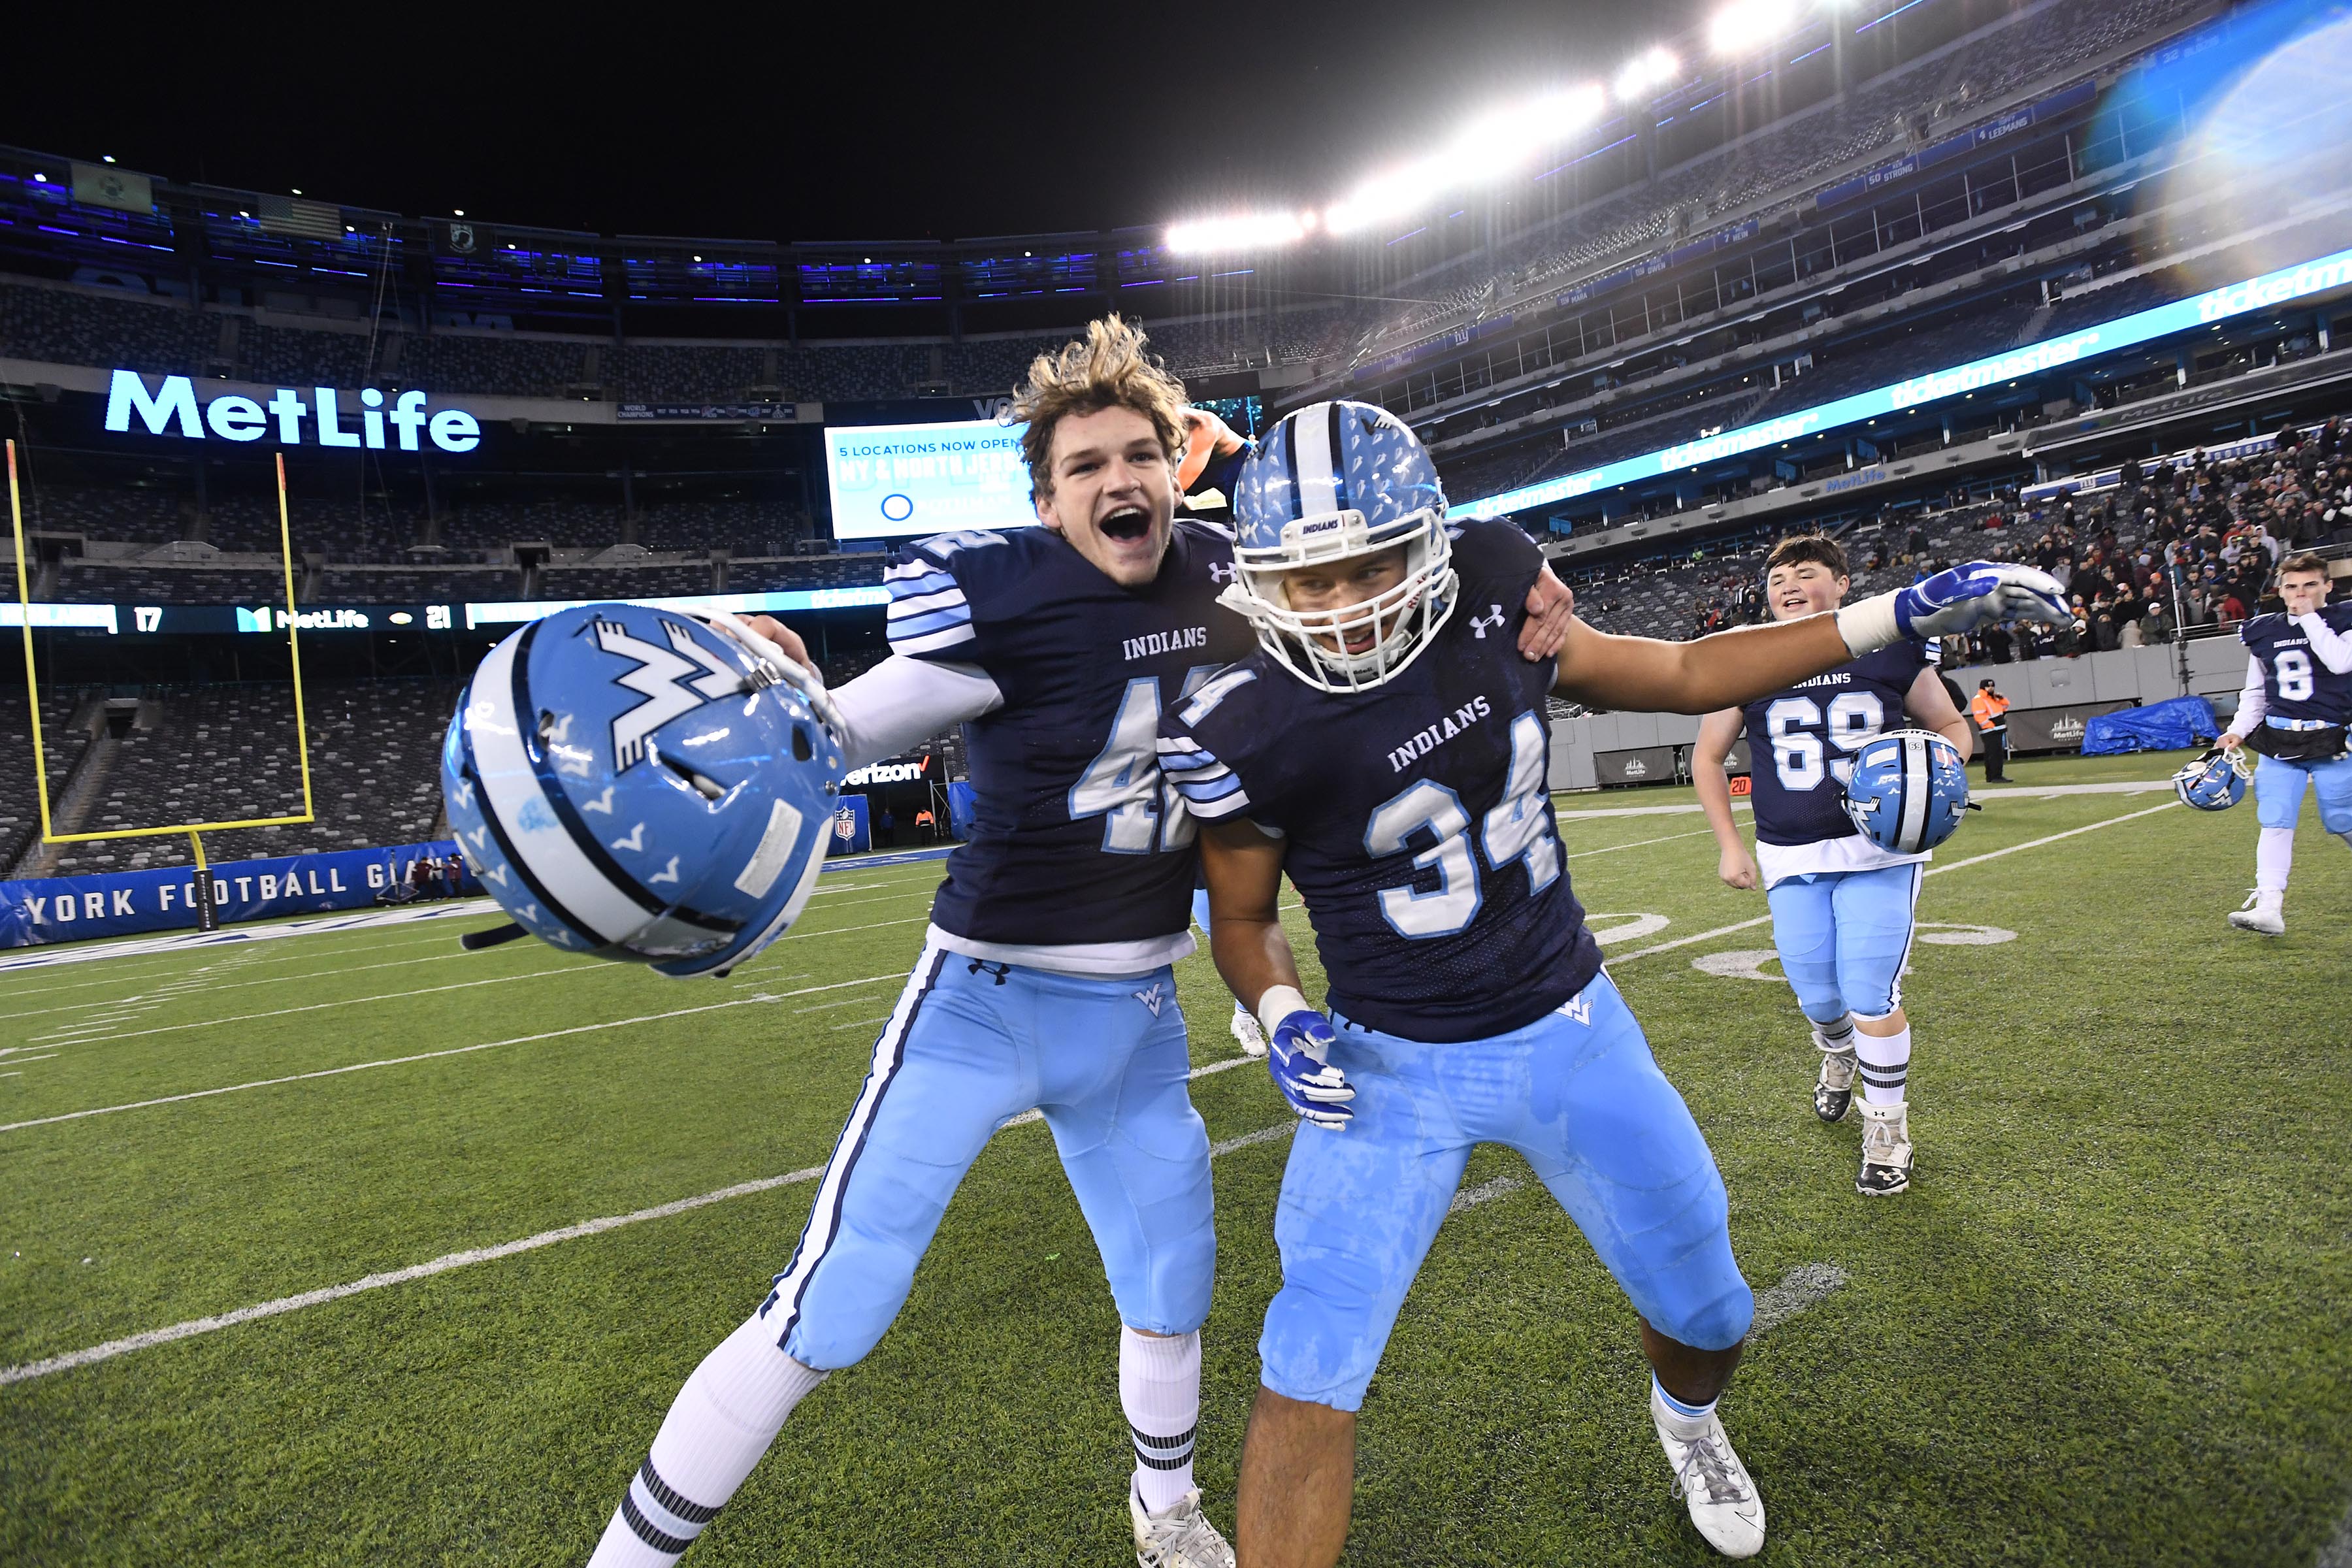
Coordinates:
902 700
2333 647
2252 702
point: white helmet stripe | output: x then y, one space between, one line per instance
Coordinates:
1916 794
1317 461
511 793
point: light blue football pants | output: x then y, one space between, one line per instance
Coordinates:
1579 1094
970 1045
1843 937
2279 786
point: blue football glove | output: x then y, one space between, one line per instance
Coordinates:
1299 1057
1963 599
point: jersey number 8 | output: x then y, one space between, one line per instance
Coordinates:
1518 828
2294 681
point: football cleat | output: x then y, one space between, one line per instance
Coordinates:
1834 1090
2262 913
1886 1150
2214 781
638 784
1181 1538
1248 1032
1330 481
1714 1484
1908 791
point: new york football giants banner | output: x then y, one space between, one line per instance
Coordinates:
125 903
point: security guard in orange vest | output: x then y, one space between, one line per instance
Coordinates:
1990 709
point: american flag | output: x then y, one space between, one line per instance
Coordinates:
291 214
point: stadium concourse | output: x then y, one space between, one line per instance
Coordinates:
330 1239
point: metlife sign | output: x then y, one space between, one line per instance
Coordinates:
402 426
2271 291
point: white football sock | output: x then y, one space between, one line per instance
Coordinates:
2274 853
1837 1036
1886 1066
1684 1420
723 1420
1159 1386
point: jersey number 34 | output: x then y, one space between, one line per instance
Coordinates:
1518 828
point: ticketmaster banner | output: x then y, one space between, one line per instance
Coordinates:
42 910
2271 291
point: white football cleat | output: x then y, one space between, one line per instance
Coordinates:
1834 1090
1181 1538
1886 1150
1708 1477
2262 913
1248 1031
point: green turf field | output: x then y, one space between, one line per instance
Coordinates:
2108 1324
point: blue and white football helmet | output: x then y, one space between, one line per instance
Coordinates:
2214 781
643 786
1908 791
1333 481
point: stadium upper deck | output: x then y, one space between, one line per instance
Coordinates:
1740 250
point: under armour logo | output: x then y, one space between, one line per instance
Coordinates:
1221 572
1152 997
666 677
1490 622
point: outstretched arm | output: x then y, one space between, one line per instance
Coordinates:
1736 667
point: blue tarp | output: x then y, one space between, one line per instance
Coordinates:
2169 726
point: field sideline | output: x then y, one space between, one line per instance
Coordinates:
2106 1327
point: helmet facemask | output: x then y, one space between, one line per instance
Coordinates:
1313 644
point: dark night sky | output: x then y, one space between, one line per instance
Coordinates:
1001 120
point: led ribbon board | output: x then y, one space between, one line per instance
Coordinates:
892 481
2267 292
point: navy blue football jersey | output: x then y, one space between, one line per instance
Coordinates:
1075 839
2297 685
1419 830
1803 740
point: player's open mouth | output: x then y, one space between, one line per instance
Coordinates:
1126 525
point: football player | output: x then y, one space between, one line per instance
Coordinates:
1387 749
1841 906
2293 714
1044 979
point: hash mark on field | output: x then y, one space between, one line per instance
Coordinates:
431 1056
26 1371
1485 1192
1798 1288
859 1022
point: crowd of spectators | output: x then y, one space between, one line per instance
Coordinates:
2187 543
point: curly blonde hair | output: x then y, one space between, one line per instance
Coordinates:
1107 368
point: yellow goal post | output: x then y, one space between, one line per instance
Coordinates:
33 689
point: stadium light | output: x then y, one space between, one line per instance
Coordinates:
1387 196
1749 25
1496 143
1654 69
1242 231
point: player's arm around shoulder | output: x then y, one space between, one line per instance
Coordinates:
1488 551
1931 707
1717 733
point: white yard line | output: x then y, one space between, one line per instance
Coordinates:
346 1002
1576 855
1798 1288
430 1056
845 931
1485 1192
447 1261
266 980
1932 871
